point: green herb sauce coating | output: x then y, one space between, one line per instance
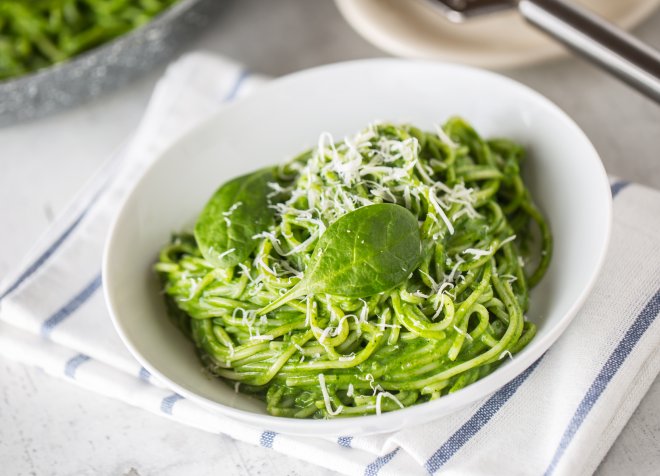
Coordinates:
343 341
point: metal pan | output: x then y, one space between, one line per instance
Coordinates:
104 68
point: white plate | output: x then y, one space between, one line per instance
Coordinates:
564 172
414 29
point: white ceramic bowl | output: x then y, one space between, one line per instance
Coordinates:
564 173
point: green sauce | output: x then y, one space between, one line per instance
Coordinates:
361 336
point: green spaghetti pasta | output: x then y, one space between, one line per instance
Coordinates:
363 276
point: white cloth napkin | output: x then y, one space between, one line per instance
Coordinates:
559 417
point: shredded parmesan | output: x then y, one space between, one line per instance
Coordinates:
228 252
326 398
506 353
444 137
507 240
463 333
262 337
379 399
477 253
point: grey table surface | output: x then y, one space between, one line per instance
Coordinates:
48 426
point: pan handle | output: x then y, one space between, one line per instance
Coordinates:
633 61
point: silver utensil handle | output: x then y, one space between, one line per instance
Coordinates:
622 54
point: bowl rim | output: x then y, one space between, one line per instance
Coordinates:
396 419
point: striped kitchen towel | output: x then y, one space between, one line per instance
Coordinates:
559 417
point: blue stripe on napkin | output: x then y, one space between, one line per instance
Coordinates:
73 363
614 362
373 468
267 438
616 187
144 374
41 259
483 415
167 405
71 306
240 79
345 441
480 418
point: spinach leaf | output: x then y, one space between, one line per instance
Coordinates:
365 252
236 212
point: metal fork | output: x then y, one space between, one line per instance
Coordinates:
611 48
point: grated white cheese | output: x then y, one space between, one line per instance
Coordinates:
504 354
477 253
507 240
326 398
434 202
246 272
232 209
262 337
259 261
364 312
228 252
277 244
324 334
463 333
450 278
444 137
379 399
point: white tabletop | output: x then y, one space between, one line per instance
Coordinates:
48 426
